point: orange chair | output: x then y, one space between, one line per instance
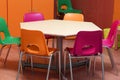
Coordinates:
73 17
33 44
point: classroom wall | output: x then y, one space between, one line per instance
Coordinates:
116 14
98 11
14 10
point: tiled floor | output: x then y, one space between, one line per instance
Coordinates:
9 70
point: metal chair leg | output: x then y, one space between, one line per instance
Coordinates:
64 63
94 65
7 54
50 59
19 65
47 41
53 43
31 62
71 73
89 65
111 57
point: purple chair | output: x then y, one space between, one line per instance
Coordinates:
87 44
35 16
109 41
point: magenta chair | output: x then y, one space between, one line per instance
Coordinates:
87 44
109 41
35 16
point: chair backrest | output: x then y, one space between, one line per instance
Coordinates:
33 16
65 6
74 16
113 32
88 43
33 42
4 27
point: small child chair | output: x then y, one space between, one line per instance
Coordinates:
33 44
109 41
87 44
8 40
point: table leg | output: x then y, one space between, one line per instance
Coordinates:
60 47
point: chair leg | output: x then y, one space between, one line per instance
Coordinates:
7 54
94 64
89 65
31 62
53 42
71 73
19 51
65 63
111 57
114 66
49 67
19 65
102 60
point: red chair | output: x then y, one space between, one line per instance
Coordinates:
35 16
87 44
109 41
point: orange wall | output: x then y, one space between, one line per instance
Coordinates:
17 8
3 9
116 15
44 6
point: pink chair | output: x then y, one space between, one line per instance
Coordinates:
35 16
87 44
109 41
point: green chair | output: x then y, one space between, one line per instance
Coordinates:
65 6
8 40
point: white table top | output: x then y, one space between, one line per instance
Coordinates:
59 27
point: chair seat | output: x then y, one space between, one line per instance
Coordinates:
34 50
70 50
11 40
